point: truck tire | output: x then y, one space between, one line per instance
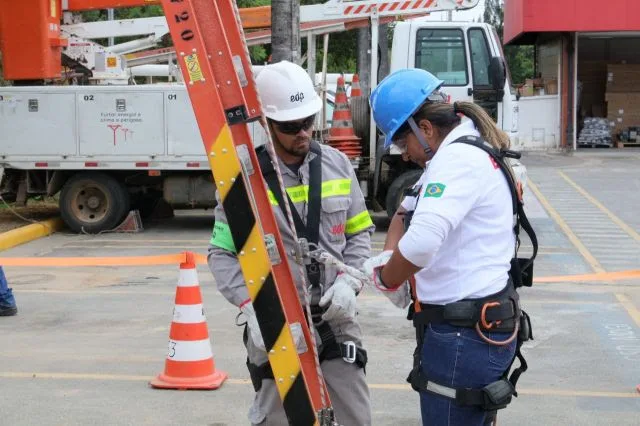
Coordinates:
93 202
395 194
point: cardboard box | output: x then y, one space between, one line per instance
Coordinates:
526 90
551 86
623 78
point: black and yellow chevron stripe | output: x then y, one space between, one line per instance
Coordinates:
255 264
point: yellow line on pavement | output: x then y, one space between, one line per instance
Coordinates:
129 246
630 307
384 386
91 291
591 260
578 393
370 297
615 219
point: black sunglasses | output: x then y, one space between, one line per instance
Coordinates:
294 127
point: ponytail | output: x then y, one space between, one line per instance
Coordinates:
484 123
445 117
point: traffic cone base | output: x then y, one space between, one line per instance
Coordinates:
211 382
189 363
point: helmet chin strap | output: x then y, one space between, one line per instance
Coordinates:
416 131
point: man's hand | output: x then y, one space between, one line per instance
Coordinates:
342 296
252 324
400 296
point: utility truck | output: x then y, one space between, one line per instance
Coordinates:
108 146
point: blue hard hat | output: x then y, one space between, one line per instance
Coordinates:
398 97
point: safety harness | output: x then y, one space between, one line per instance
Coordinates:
329 347
500 312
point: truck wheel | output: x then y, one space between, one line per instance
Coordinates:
395 194
93 202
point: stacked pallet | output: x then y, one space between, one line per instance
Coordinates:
623 101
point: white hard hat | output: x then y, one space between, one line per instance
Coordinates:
287 92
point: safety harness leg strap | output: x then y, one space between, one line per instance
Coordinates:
348 351
500 312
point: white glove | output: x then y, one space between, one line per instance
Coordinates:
371 266
401 296
252 325
342 295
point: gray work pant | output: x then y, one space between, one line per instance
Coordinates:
346 383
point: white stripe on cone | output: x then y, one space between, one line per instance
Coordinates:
188 314
188 278
196 350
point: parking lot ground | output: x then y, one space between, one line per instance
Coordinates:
87 340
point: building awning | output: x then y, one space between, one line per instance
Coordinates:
524 20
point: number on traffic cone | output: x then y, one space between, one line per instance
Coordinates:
189 363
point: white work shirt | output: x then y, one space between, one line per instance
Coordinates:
461 232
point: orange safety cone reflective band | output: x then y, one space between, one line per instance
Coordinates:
189 363
355 86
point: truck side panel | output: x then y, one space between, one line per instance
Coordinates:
115 124
182 130
40 123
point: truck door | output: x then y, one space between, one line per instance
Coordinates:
441 51
480 58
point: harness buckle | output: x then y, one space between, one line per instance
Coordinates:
351 351
483 313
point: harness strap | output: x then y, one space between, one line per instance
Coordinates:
504 315
329 347
496 312
494 396
312 229
521 269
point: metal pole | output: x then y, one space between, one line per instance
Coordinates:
110 17
574 83
325 49
311 56
374 82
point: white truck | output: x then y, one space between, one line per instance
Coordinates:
468 57
108 149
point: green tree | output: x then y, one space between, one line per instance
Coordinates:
520 59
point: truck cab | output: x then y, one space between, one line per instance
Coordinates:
468 57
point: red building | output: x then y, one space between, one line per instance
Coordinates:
593 49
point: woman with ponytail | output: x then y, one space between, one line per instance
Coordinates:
458 245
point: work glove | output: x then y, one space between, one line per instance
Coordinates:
252 324
341 298
401 296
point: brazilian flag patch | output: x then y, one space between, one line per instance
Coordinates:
434 190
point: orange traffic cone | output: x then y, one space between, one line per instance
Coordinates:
341 135
189 363
355 86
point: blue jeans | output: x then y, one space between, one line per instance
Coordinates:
457 357
6 296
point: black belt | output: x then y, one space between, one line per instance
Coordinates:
496 312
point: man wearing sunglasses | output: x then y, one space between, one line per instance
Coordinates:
329 210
